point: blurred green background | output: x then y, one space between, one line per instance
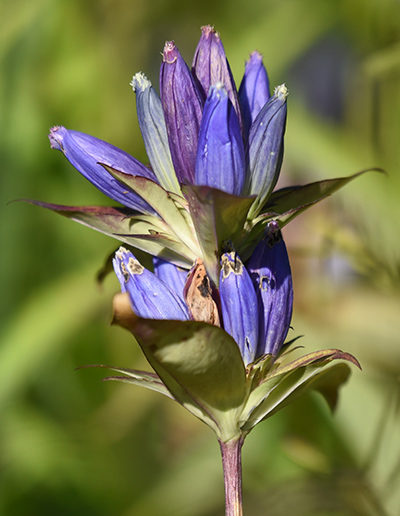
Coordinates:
72 445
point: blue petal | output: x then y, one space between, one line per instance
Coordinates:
171 275
154 132
85 152
220 161
254 90
150 297
239 305
266 149
210 66
270 271
182 103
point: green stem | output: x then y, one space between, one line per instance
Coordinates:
232 466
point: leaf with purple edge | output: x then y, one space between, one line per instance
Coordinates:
145 232
217 217
285 204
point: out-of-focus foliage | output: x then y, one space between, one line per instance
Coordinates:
72 445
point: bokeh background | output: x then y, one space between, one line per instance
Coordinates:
73 445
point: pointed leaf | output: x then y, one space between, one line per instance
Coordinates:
202 362
162 202
285 204
141 378
277 390
217 217
145 232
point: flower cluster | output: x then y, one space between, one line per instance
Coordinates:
213 314
202 131
253 303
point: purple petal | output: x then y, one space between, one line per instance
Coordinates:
266 148
85 152
220 159
171 275
182 104
239 305
254 89
270 271
210 66
150 297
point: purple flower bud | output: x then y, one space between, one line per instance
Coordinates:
266 148
150 297
182 103
270 270
210 66
239 305
171 275
220 159
254 89
154 132
85 153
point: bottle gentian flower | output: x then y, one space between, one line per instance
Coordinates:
215 156
213 315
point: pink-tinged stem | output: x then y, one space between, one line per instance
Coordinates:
232 466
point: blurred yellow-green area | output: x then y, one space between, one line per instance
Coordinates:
71 444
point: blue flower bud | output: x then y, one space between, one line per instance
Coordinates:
254 89
270 271
239 305
172 275
154 132
182 103
85 152
266 148
150 297
220 161
210 66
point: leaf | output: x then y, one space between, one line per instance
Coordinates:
281 390
145 232
283 383
217 217
201 366
324 355
141 378
285 204
162 202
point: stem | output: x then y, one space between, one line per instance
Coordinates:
232 466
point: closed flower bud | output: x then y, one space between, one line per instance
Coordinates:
150 297
220 161
270 271
239 305
86 152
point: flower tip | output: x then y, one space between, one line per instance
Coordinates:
56 136
208 30
281 92
140 82
170 52
255 56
